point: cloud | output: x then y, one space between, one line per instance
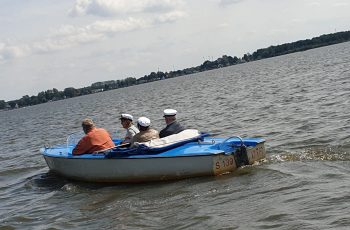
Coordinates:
341 4
314 4
229 2
169 17
223 25
109 8
68 36
11 51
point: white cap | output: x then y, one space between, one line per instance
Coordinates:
144 121
170 112
126 116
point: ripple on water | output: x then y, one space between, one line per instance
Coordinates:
297 102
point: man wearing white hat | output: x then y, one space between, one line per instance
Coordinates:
131 130
172 126
146 133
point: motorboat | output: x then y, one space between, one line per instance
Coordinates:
189 153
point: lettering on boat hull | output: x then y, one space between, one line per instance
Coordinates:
223 163
256 153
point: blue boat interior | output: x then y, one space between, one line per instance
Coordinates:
202 145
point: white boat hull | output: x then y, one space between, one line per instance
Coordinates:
131 170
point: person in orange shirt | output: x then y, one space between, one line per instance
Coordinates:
95 139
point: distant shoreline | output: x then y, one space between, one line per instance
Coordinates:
224 61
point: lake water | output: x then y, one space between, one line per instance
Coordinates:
299 103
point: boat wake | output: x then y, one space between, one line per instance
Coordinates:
47 181
330 153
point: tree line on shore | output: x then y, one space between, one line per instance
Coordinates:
272 51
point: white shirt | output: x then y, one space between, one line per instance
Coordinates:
130 132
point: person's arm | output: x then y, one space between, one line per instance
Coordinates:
127 138
155 134
163 133
82 146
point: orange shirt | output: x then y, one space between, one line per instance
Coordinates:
96 140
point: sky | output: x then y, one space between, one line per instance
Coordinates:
73 43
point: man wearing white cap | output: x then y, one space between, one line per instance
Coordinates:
146 133
172 126
131 130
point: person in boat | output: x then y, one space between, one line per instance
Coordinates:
172 126
131 130
146 132
95 139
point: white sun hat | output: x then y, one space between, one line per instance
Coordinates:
144 121
170 112
126 116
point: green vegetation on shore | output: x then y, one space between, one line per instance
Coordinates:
272 51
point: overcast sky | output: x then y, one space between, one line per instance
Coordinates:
47 44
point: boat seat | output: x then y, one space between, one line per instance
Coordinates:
172 141
158 145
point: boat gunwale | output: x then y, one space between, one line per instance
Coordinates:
101 156
129 156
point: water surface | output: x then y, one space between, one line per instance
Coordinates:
299 103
